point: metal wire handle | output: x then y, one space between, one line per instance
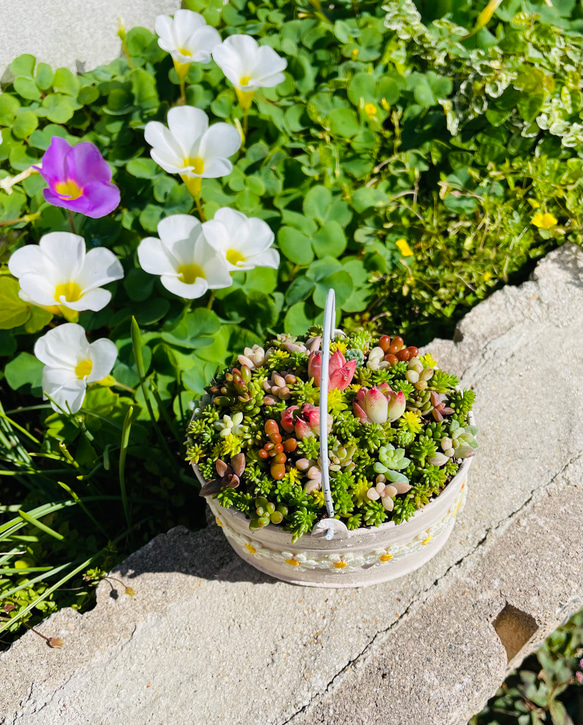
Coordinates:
330 525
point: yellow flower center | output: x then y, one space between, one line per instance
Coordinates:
68 188
292 562
234 257
340 564
188 273
69 290
244 81
370 109
197 165
183 51
84 369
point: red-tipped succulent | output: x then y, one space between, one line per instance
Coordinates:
340 371
304 423
378 404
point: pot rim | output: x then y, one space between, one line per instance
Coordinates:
415 520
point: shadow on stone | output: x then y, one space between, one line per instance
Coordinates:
205 554
515 628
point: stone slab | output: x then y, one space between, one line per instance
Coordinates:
207 639
77 35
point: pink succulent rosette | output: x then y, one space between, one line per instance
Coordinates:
79 179
304 423
340 372
378 404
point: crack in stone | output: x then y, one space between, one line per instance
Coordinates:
423 595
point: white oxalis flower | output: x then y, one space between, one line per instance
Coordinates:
249 66
187 38
59 273
71 362
186 263
190 148
242 241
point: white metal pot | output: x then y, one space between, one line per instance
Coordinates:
331 555
352 558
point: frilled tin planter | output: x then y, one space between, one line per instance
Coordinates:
332 554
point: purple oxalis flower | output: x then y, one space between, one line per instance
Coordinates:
78 178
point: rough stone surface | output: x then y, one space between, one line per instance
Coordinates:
78 35
207 639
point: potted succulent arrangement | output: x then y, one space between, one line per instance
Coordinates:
364 492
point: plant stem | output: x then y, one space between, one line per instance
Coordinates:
71 222
211 300
199 207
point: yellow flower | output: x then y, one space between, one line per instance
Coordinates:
487 276
411 422
338 345
336 402
231 445
404 248
292 475
360 490
318 497
370 109
384 104
544 221
428 360
355 386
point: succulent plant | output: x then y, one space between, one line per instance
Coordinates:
398 431
228 475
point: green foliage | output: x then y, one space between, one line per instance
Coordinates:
400 163
546 687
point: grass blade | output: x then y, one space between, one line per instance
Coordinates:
125 439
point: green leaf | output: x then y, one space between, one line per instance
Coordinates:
429 88
261 279
27 88
144 89
44 76
23 370
23 65
39 318
317 203
192 329
59 108
178 201
295 245
390 87
13 311
87 95
297 321
340 282
362 87
143 168
25 123
9 105
344 122
330 240
138 284
530 105
299 290
66 82
150 216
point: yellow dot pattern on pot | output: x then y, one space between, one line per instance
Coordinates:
250 548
